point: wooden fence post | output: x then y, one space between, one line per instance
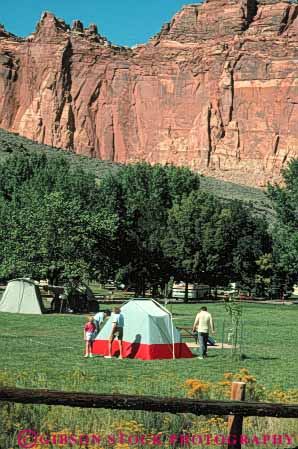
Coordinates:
235 421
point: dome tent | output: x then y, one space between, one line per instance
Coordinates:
22 296
149 333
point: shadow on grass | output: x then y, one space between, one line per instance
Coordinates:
212 356
246 357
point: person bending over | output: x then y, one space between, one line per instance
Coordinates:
99 318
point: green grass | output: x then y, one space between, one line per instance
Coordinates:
51 347
47 352
253 197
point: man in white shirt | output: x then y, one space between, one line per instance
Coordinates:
99 318
203 323
117 330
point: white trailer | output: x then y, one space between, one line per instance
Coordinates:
195 291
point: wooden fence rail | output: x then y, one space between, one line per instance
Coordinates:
148 403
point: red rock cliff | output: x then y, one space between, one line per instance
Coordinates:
216 89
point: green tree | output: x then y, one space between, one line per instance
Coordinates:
285 229
189 241
264 274
52 224
141 196
211 242
249 240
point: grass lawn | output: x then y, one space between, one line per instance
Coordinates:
47 352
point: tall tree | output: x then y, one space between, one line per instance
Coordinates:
285 228
52 224
141 195
210 242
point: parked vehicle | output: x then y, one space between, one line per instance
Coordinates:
110 285
230 290
195 291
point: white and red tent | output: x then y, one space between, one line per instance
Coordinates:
148 333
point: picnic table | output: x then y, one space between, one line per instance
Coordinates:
186 332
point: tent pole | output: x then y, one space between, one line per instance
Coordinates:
22 296
173 342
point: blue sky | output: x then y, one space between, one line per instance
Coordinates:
124 22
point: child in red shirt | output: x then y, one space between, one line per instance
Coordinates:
89 333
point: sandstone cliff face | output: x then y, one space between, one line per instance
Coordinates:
216 90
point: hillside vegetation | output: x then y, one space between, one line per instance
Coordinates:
11 143
256 198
